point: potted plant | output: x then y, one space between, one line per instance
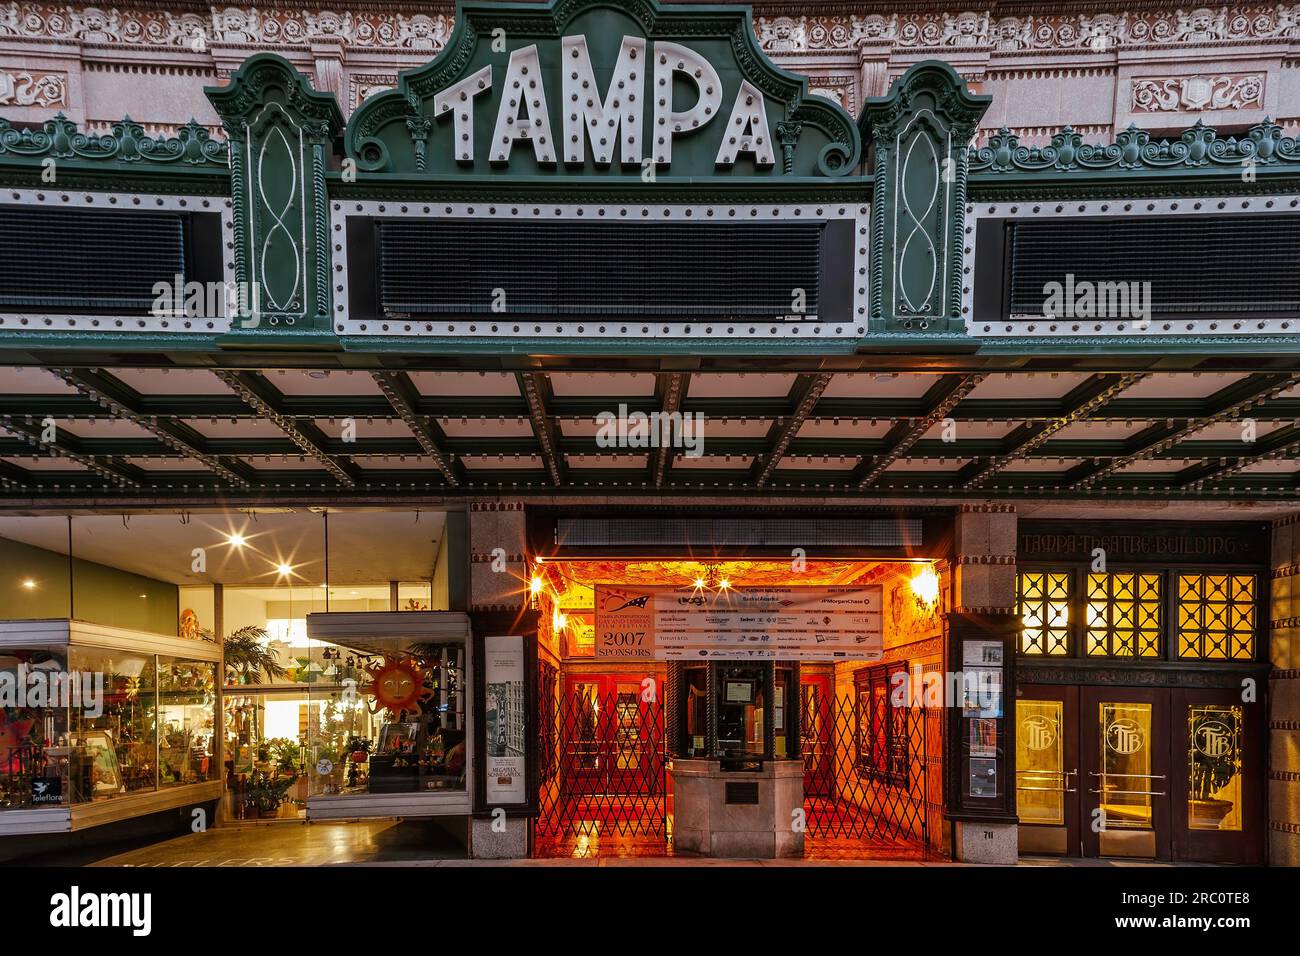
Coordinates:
357 749
1210 774
265 793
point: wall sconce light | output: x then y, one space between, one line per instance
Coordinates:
925 589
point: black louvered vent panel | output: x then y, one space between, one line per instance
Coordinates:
672 270
761 532
87 260
1196 265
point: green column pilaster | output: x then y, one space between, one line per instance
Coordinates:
920 132
281 135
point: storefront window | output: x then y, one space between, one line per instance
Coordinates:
390 718
1044 599
186 721
1214 762
1124 611
1216 616
1040 767
33 729
114 745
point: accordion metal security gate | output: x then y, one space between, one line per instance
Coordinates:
867 769
605 789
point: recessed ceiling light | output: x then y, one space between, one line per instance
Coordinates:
284 569
29 584
235 540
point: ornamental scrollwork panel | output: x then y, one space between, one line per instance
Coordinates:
1218 91
1134 149
40 88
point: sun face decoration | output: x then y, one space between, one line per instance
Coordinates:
398 686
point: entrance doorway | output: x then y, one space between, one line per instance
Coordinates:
1143 773
609 793
607 750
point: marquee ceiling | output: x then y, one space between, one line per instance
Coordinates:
142 434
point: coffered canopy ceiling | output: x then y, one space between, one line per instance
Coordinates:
133 434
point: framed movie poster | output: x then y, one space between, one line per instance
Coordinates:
505 721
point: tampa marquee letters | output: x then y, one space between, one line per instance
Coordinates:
614 120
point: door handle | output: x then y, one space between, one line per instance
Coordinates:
1063 774
1135 776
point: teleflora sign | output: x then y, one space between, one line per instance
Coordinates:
585 86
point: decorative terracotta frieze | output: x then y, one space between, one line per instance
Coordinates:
421 28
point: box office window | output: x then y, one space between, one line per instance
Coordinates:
1216 616
1044 608
1123 614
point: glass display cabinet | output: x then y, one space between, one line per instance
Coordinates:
101 724
389 731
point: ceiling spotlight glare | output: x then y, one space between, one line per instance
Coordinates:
235 540
284 569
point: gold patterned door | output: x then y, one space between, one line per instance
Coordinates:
1217 779
1047 769
1125 780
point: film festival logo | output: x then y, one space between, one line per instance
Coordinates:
624 429
40 687
1084 299
179 299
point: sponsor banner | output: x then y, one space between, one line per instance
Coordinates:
772 623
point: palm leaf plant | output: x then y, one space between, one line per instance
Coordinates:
248 652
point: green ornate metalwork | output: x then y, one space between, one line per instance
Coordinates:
920 132
404 131
281 132
1199 147
59 138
